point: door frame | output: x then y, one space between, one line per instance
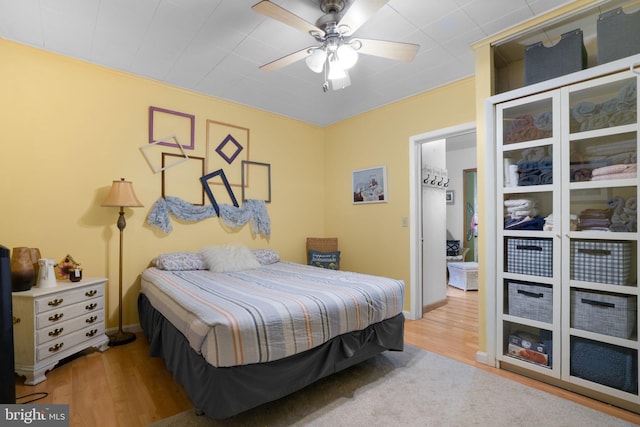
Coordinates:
415 208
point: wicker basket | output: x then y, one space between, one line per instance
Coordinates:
531 301
604 313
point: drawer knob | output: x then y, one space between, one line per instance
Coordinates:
56 317
56 347
91 332
56 332
56 302
91 293
91 319
91 306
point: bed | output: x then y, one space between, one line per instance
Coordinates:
238 339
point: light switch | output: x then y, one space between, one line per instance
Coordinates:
405 221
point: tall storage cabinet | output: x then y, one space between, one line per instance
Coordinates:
567 242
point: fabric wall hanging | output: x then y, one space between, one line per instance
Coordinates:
251 211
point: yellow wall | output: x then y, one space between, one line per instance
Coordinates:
372 238
70 128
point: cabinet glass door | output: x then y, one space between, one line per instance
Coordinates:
528 135
600 193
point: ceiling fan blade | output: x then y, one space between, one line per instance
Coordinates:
278 13
286 60
386 49
359 12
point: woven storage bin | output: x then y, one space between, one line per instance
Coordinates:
565 57
530 256
603 313
531 301
605 364
601 261
618 35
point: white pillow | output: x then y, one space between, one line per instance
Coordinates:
228 258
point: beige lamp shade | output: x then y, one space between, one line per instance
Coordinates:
122 195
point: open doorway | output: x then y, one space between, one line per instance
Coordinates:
470 223
421 244
462 204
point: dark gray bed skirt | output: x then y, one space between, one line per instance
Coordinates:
224 392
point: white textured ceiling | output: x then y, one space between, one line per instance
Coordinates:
216 46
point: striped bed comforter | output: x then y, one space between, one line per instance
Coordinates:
269 313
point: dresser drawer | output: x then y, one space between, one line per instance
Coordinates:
67 327
62 314
68 342
67 298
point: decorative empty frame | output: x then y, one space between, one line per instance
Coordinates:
227 144
182 182
205 184
166 122
256 181
154 146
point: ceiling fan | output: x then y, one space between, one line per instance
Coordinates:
337 50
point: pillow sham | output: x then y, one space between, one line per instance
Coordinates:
329 260
180 261
229 258
453 247
266 256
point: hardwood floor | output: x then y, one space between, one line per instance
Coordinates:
124 387
452 331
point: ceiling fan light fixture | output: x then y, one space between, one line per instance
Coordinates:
336 71
347 55
315 61
341 83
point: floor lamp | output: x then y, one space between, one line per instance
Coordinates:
121 196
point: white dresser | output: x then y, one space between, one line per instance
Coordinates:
54 323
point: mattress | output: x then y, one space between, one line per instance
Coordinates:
269 313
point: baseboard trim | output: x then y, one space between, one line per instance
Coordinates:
433 306
483 357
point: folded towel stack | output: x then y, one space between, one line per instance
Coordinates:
585 162
522 214
617 111
524 223
595 219
625 215
518 208
619 171
535 167
528 128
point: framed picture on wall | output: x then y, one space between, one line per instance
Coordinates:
370 185
449 197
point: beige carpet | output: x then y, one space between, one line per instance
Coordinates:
411 388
